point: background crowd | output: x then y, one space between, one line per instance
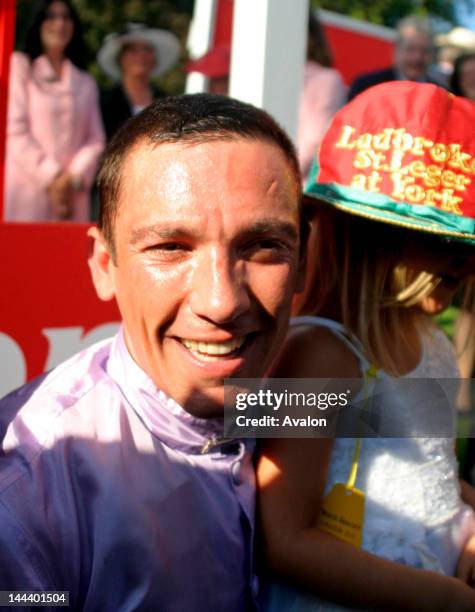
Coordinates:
59 120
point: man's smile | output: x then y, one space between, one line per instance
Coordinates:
214 351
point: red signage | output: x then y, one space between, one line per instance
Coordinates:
357 46
48 307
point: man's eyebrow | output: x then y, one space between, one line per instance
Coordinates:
155 232
274 226
265 226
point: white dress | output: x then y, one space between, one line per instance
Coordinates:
414 514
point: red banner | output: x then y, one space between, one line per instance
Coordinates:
48 306
356 51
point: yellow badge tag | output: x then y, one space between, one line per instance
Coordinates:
342 514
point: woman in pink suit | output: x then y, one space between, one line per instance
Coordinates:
54 130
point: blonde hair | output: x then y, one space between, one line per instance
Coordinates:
355 267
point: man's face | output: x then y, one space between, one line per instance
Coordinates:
414 54
207 261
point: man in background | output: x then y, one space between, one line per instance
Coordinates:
413 55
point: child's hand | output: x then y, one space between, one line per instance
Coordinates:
466 563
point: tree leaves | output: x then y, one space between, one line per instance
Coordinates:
388 12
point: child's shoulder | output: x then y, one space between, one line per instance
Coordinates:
438 359
316 351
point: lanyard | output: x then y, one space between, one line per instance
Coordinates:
370 373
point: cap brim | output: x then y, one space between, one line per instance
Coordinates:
395 213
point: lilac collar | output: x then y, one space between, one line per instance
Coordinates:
162 416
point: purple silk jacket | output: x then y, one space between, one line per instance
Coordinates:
104 493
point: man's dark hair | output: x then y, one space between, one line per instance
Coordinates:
189 119
76 51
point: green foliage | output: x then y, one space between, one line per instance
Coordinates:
101 17
388 12
446 320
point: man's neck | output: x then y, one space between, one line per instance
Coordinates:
402 77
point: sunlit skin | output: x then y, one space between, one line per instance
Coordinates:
57 29
414 53
207 241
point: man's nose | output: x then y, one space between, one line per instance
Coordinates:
219 288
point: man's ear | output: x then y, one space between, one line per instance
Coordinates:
101 266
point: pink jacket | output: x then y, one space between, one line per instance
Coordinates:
324 93
53 125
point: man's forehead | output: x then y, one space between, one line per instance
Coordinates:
411 36
202 147
172 186
175 168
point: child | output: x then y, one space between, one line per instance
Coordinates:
395 220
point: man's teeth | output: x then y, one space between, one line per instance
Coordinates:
213 349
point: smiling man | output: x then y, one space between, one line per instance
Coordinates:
114 484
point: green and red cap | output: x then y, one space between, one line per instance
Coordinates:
402 153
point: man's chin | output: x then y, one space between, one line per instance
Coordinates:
205 403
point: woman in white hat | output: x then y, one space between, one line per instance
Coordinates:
132 57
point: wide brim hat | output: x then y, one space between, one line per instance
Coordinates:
402 153
165 44
459 37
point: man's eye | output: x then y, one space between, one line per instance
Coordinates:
267 247
169 247
263 244
267 244
167 250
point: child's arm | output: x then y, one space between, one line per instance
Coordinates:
290 484
291 476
